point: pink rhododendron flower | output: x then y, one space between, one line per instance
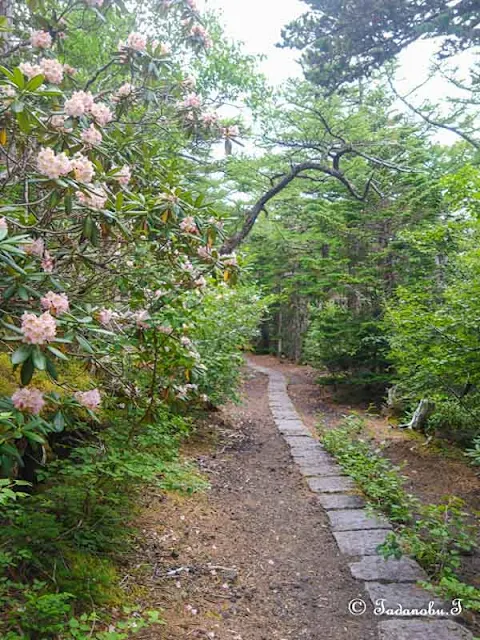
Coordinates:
204 252
231 132
41 39
38 329
190 82
3 224
141 318
166 330
83 169
189 225
101 113
91 136
79 104
69 69
185 341
105 316
58 122
200 33
56 303
47 263
230 261
137 41
124 175
53 165
89 399
124 91
192 101
35 248
30 70
187 266
52 70
95 198
163 48
28 399
209 119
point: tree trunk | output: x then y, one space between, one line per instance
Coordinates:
420 416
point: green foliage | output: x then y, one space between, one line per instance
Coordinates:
436 535
433 325
343 340
346 42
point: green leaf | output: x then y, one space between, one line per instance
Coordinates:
34 83
7 73
18 78
84 344
23 120
59 422
21 354
57 352
51 369
27 370
39 360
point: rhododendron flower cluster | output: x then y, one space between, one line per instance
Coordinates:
231 132
192 101
141 318
189 225
34 248
56 303
58 122
209 119
79 104
28 399
200 33
53 165
38 329
230 261
48 67
101 113
41 39
105 316
135 41
95 198
89 399
30 70
52 70
124 175
47 263
124 91
83 169
91 136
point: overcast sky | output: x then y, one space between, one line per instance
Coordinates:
258 23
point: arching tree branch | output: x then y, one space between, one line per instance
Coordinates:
295 171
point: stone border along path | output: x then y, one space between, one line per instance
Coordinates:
358 533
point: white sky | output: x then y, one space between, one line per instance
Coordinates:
258 24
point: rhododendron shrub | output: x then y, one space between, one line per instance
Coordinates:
105 241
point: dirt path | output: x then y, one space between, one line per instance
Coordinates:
431 472
255 557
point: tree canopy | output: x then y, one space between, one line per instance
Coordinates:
342 42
